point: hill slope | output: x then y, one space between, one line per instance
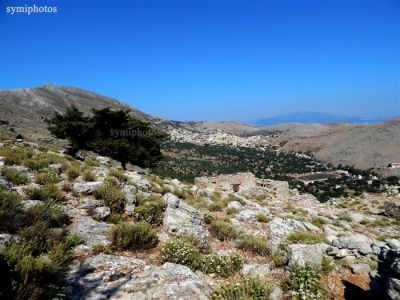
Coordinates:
27 109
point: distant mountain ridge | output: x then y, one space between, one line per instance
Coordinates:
309 117
25 110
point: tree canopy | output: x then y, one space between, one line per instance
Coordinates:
109 132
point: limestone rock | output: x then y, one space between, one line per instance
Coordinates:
118 277
306 254
360 268
356 241
92 231
392 207
27 204
181 218
87 187
6 238
256 270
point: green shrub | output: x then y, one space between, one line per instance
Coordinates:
151 211
119 174
344 217
73 172
223 230
305 283
44 160
318 221
45 193
232 211
101 248
112 195
303 237
90 163
11 213
15 176
254 244
74 240
47 176
263 218
133 236
216 206
15 156
182 251
222 265
88 176
67 187
115 217
248 288
208 217
57 215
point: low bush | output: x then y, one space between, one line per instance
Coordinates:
47 176
119 174
151 211
73 172
254 244
247 288
223 230
15 176
11 213
222 265
318 221
133 236
263 218
304 283
101 248
303 237
344 217
112 195
182 251
15 156
46 193
88 176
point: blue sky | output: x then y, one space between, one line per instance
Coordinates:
213 59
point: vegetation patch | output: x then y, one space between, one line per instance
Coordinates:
304 237
222 265
133 236
254 244
304 283
111 193
14 176
223 230
248 288
182 251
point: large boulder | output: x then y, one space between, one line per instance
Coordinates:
386 283
92 231
279 228
249 211
118 277
357 241
87 187
181 218
392 207
6 239
302 254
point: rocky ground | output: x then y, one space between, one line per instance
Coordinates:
354 242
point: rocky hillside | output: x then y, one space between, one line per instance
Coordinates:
133 235
25 110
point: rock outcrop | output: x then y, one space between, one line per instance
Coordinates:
118 277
